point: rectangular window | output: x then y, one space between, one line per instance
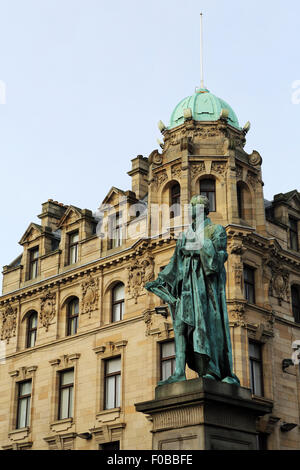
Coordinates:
66 391
115 445
167 359
249 284
256 370
262 441
112 379
294 245
24 398
33 263
115 230
296 303
73 247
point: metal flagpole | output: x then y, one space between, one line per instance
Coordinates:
201 50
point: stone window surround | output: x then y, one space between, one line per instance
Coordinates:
107 351
58 365
20 375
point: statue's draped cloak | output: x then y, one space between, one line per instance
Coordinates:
193 285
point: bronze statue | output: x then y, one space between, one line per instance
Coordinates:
193 285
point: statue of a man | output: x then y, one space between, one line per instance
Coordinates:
193 285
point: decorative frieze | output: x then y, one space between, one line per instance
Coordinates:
219 168
160 178
176 171
197 168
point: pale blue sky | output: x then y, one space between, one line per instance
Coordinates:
88 80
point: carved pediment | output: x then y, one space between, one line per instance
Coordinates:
33 232
114 197
72 215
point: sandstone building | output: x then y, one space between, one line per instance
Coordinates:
83 343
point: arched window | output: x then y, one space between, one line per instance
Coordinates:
31 329
175 200
118 294
72 316
296 303
208 189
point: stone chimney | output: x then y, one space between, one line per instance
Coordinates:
52 212
139 175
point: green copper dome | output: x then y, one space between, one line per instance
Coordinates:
204 107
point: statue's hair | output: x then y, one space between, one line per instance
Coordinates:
201 200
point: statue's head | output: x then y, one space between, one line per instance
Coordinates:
202 201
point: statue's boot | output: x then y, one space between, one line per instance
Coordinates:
172 379
231 380
208 376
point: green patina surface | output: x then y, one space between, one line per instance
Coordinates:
193 285
205 107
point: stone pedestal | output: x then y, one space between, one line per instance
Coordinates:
203 414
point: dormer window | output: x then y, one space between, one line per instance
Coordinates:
294 244
33 262
73 247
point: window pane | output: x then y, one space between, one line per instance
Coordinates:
255 350
25 388
110 393
166 369
207 185
74 237
257 386
31 339
113 365
118 292
67 377
22 413
71 390
117 312
168 349
33 320
64 403
118 389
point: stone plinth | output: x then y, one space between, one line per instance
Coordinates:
202 414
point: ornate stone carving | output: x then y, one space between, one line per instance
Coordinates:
9 322
255 158
147 316
197 168
90 295
160 178
252 179
206 132
238 275
279 283
239 172
48 308
176 171
237 314
155 157
140 272
219 168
